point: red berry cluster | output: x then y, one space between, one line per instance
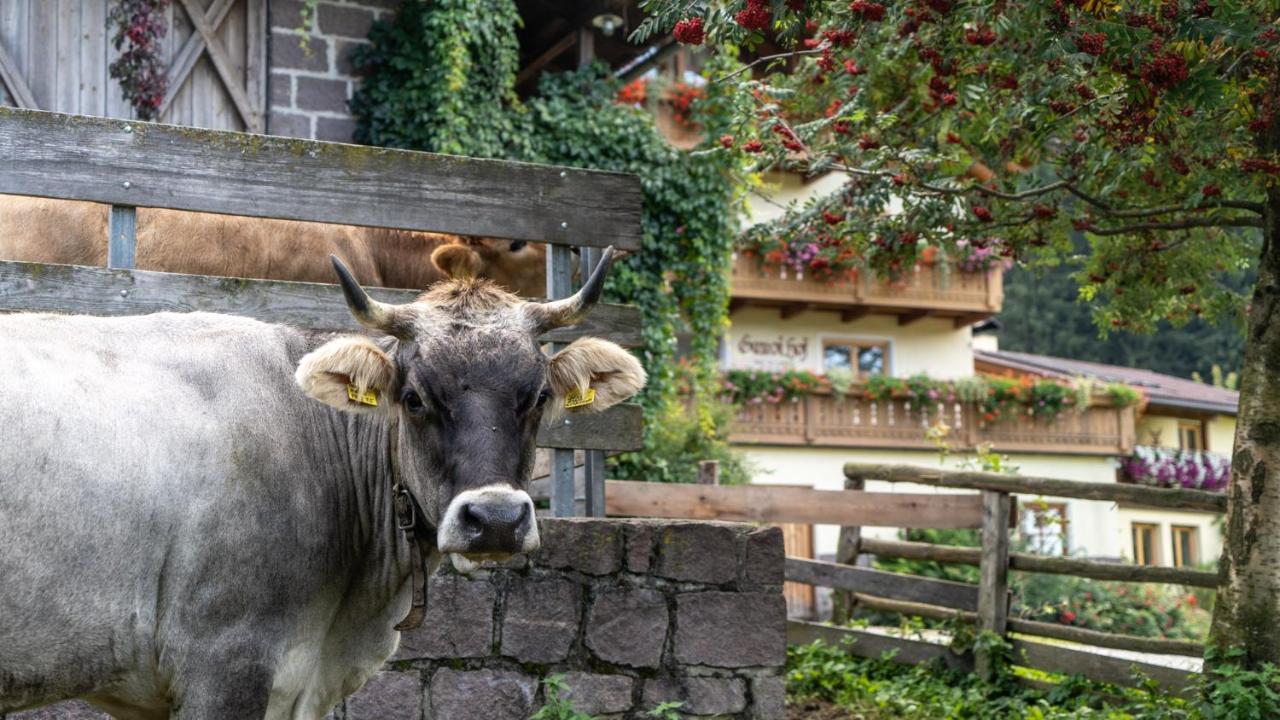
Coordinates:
1165 71
690 32
982 213
982 36
1092 43
870 11
756 16
795 5
790 140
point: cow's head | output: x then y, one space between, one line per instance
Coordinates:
464 383
516 265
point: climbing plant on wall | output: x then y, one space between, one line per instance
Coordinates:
441 77
139 25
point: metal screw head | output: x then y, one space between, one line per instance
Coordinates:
127 184
124 293
128 128
564 174
564 225
567 421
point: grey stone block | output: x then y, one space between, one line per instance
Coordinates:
458 624
345 20
342 55
286 14
289 124
598 694
335 129
541 620
628 627
639 547
699 695
698 552
765 557
731 630
768 698
289 53
589 546
72 710
321 94
481 695
387 696
281 90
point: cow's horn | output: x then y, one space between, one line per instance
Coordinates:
369 312
559 313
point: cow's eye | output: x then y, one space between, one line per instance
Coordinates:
543 397
518 245
412 401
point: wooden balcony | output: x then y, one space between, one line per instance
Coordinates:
828 421
926 291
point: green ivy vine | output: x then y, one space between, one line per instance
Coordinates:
441 77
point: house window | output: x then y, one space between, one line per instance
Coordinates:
859 356
1145 548
1191 435
1186 546
1044 528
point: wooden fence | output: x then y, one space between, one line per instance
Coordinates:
985 604
128 164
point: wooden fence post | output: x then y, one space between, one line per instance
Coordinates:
709 472
560 285
593 472
993 579
847 550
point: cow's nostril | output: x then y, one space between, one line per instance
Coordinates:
472 518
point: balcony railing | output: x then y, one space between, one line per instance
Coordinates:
828 421
926 289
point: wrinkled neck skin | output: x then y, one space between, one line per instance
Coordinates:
367 524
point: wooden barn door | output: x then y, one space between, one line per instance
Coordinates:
54 55
798 541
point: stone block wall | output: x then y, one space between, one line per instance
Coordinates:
310 85
631 613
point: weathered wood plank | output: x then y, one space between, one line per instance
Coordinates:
873 645
961 596
1173 498
774 503
185 59
223 65
1102 668
1025 562
620 428
81 158
99 291
1116 641
993 573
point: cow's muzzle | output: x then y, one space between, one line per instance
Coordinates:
489 523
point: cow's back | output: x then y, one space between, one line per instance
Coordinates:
154 499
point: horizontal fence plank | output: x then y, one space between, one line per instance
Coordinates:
961 596
101 291
1100 668
620 428
1161 646
1171 498
150 165
874 645
776 503
1026 562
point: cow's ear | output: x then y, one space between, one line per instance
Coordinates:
349 373
456 261
592 375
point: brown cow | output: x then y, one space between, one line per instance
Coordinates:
75 233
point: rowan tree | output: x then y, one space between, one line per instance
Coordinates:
991 130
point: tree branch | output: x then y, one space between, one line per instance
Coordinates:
1183 224
764 59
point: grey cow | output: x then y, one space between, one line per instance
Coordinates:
186 532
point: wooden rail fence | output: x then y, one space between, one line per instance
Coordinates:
985 604
129 164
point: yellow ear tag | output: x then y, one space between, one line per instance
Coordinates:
577 398
370 397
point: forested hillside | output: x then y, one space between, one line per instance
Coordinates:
1042 315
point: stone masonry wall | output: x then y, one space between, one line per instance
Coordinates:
309 86
632 613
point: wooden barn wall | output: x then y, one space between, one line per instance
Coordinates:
62 50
